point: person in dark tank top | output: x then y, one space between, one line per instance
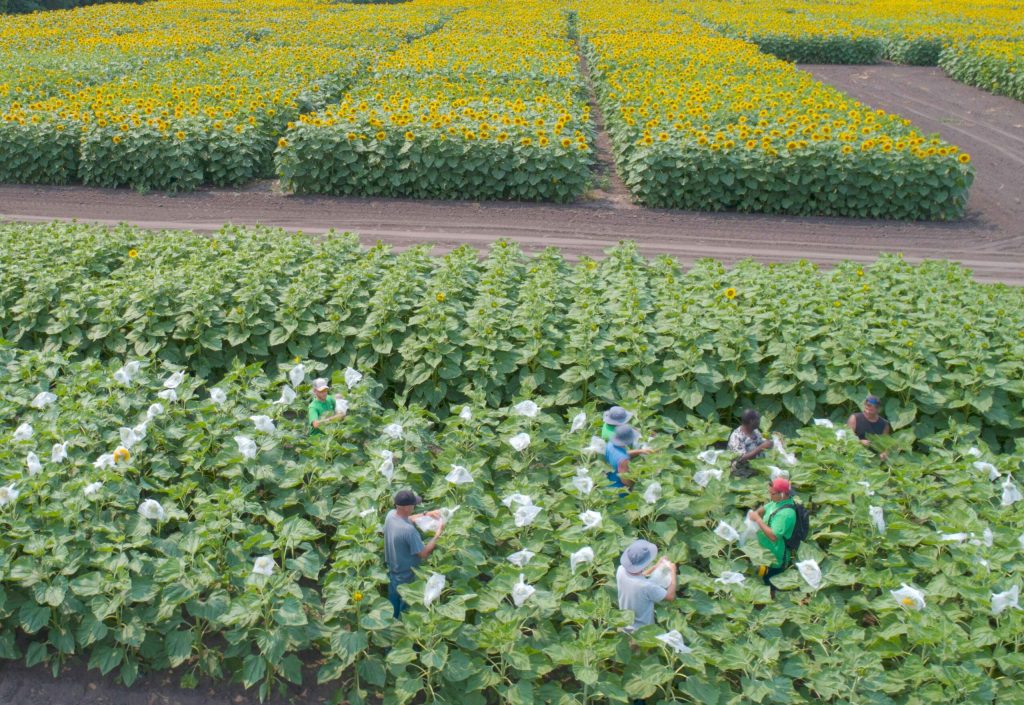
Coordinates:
869 422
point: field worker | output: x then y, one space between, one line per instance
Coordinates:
403 547
869 422
748 443
613 418
618 452
321 409
637 592
775 522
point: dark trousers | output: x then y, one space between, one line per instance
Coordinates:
396 600
771 573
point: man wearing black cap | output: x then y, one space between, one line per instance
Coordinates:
403 547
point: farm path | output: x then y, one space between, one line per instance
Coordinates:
990 240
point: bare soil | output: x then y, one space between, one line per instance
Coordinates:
989 240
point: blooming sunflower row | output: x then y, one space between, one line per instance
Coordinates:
183 113
491 106
995 66
907 31
707 122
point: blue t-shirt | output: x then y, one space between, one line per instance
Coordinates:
613 455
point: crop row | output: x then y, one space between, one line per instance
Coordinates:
201 98
442 331
703 122
148 523
994 66
490 107
908 31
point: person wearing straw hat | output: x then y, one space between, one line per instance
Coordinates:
403 547
618 453
613 418
321 409
636 590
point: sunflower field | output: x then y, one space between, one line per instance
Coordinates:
995 66
492 106
904 31
189 92
162 504
796 342
704 122
479 100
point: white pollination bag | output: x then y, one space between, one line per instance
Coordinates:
810 572
674 640
432 590
726 532
578 422
584 555
877 518
521 591
521 558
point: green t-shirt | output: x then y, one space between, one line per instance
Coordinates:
781 523
318 409
607 431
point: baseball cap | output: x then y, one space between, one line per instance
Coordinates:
616 416
320 383
781 484
638 556
873 400
407 498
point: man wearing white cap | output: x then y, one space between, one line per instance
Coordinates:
637 591
321 409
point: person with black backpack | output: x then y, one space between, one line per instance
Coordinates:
782 524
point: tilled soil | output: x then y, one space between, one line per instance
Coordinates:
990 240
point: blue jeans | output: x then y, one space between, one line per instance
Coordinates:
396 600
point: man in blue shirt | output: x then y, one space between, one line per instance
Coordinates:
618 453
403 547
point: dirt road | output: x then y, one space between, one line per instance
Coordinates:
990 240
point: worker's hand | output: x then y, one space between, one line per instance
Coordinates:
883 456
436 513
646 451
865 442
440 528
316 424
767 445
753 515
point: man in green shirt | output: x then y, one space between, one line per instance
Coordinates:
321 409
775 522
613 418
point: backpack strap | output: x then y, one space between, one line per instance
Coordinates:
787 556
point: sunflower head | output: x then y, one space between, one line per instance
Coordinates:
730 293
133 253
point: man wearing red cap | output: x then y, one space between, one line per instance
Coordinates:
776 522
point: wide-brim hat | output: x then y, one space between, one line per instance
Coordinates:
625 436
616 416
638 556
